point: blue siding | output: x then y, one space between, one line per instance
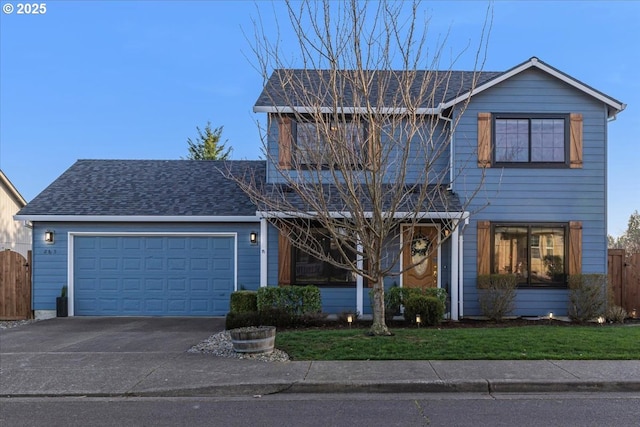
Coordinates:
431 136
530 194
50 263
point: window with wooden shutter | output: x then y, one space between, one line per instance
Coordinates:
575 150
484 140
538 254
575 247
484 247
285 142
284 260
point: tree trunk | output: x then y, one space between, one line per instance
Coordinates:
379 326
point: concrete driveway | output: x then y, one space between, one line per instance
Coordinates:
109 335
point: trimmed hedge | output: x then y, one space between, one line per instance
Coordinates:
282 307
430 309
395 296
295 300
243 301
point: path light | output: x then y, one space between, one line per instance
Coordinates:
349 319
634 314
550 316
418 320
601 320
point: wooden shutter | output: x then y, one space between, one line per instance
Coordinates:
284 260
373 148
575 247
575 131
484 140
484 247
285 142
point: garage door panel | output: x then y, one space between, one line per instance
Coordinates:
153 275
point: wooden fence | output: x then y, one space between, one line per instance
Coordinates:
15 286
624 279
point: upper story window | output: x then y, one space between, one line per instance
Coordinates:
341 143
527 140
536 139
329 144
530 140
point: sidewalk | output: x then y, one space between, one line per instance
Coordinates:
147 357
162 374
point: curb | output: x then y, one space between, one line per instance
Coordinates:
472 386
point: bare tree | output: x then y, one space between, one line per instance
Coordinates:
369 145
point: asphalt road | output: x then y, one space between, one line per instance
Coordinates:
454 409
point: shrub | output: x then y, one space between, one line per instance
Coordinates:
395 296
241 320
277 317
243 301
616 314
587 296
295 300
430 309
497 295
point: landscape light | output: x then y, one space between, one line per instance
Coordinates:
418 320
349 319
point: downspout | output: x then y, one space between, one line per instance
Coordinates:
461 269
359 281
455 260
450 121
263 252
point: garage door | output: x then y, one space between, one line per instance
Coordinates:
153 275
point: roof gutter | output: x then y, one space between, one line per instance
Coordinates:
344 110
134 218
398 215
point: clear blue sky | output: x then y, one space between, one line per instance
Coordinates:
133 79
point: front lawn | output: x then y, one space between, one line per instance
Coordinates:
509 343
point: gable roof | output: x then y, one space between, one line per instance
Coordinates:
11 190
146 190
451 88
439 86
614 106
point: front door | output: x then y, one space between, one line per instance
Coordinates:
422 253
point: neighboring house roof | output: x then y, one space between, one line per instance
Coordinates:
451 87
439 202
149 190
11 190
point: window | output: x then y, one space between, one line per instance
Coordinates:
328 144
517 250
531 139
308 270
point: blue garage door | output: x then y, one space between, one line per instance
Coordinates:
153 275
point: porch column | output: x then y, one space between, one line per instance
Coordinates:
263 252
455 261
359 282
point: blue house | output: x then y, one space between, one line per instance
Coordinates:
175 238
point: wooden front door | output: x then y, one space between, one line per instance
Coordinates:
421 250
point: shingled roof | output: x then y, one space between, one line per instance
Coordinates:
281 88
147 188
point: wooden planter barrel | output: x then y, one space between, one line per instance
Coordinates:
254 339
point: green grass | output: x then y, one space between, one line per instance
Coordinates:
509 343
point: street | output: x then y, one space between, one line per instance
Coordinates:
454 409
